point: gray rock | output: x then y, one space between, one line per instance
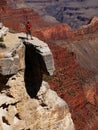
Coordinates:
13 59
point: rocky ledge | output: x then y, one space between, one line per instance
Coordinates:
13 54
27 102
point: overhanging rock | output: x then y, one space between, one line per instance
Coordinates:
43 50
12 57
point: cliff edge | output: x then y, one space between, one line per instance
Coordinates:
27 102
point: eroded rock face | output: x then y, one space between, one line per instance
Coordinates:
91 91
19 111
87 57
12 57
57 32
89 28
76 84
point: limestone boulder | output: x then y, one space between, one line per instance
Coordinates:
46 112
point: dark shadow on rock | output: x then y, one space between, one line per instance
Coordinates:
34 69
3 80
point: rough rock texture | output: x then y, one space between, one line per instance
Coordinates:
63 31
43 50
57 32
12 57
9 16
3 30
75 78
87 56
89 28
19 111
70 81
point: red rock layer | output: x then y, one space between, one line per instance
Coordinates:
68 77
63 31
56 32
16 19
68 81
90 28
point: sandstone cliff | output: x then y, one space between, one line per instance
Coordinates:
27 102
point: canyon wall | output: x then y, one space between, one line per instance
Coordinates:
16 18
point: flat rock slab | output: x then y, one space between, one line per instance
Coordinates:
43 49
12 57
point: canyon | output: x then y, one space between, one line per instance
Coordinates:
73 12
75 57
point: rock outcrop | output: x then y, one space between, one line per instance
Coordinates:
19 111
89 28
27 102
3 30
56 32
12 57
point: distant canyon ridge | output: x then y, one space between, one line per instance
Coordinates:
73 12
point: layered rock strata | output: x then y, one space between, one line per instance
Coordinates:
89 28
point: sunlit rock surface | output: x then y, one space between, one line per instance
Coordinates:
12 56
19 111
